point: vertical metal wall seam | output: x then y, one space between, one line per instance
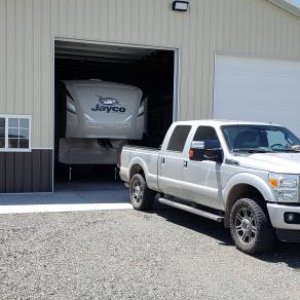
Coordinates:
52 87
10 56
37 105
42 71
45 70
187 38
3 64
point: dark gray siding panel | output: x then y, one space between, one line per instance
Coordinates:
36 171
23 172
28 170
10 172
2 172
46 160
18 173
44 169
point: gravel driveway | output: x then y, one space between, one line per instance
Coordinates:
167 254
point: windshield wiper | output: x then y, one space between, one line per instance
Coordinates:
288 150
256 150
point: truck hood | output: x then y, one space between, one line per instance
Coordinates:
273 162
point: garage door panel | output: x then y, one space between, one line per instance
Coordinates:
257 90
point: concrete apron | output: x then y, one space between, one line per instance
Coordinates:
106 197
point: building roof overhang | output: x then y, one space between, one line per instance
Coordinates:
288 6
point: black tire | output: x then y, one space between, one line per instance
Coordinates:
250 227
141 197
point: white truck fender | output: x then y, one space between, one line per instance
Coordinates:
249 179
151 178
138 161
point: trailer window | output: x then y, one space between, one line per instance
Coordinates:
178 138
15 133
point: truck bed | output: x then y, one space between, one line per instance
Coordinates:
142 156
137 148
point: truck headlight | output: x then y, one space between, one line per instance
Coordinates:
285 187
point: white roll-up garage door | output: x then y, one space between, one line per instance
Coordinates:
255 89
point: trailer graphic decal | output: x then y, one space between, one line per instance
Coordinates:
108 105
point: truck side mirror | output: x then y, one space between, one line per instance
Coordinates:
214 155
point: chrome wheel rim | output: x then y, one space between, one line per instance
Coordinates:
137 191
245 225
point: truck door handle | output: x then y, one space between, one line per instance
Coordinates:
185 163
163 160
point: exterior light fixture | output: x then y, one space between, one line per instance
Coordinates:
180 5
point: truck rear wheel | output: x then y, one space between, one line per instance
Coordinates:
250 227
141 197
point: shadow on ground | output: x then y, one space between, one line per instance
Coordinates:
288 254
193 222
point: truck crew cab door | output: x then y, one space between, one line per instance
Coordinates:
202 181
171 161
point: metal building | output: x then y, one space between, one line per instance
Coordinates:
202 42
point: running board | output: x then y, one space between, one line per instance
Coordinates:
192 210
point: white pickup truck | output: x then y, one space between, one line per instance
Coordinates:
243 174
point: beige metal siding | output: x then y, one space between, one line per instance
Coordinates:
3 55
28 28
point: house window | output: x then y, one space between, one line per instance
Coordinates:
15 133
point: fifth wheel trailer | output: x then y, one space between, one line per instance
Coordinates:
101 117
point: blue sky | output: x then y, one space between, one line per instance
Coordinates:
295 2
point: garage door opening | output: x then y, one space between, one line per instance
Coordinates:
95 110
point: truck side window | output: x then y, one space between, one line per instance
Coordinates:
211 141
208 135
178 138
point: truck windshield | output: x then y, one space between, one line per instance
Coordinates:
260 138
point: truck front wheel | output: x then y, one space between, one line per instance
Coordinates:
250 227
141 197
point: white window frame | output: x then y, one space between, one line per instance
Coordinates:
7 117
